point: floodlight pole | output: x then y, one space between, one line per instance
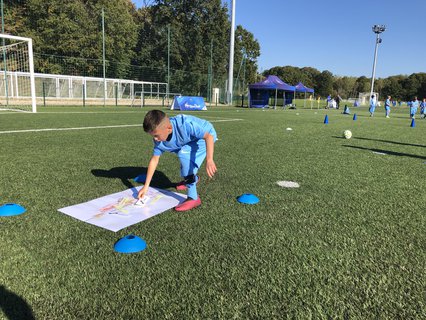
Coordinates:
377 29
103 53
231 55
4 57
210 76
168 62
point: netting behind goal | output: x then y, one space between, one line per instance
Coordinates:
17 88
364 98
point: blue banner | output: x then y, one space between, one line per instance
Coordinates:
187 103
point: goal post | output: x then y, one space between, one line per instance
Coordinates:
17 84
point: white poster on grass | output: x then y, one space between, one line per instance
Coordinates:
119 210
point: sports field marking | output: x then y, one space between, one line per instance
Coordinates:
139 111
97 127
288 184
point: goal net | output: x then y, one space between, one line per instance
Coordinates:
364 98
17 86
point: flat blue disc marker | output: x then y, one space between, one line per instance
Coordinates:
248 198
11 209
140 178
130 244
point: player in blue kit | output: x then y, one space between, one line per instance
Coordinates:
192 139
413 107
387 106
423 108
373 103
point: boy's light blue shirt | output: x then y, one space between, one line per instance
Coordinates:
387 103
415 104
186 129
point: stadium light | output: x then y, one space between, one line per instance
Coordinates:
231 56
377 29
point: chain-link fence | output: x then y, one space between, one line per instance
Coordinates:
71 80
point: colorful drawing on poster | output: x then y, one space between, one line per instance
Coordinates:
108 211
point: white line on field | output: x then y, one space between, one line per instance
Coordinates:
100 112
92 112
98 127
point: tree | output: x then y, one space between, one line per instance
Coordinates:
73 28
414 86
324 83
247 50
392 86
289 74
196 28
362 84
293 75
13 16
344 86
309 75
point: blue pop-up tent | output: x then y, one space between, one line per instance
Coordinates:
188 103
300 87
260 92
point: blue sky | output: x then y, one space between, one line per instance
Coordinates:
336 35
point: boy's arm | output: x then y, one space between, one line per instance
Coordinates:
210 165
151 169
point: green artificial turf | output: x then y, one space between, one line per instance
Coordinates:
349 243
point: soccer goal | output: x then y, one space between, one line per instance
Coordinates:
17 85
364 97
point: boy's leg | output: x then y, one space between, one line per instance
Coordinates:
191 158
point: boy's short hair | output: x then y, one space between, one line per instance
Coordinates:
152 119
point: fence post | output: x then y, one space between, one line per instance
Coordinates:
44 94
116 94
84 95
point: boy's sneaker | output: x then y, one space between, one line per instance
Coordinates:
188 204
181 186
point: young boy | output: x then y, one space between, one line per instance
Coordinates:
192 139
373 103
413 107
423 108
387 106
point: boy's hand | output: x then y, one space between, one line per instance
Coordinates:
142 192
211 168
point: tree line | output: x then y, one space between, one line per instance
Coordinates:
181 42
184 43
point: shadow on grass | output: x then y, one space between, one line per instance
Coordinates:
13 306
392 153
126 174
394 142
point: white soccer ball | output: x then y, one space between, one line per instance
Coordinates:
347 134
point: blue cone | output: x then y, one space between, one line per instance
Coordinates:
11 209
130 244
354 118
248 198
140 178
413 123
326 119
